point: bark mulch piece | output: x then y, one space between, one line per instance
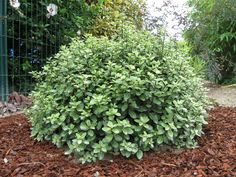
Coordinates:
21 156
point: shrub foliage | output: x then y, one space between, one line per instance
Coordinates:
117 95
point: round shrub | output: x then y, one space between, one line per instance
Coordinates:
117 95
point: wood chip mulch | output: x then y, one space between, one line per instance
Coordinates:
21 156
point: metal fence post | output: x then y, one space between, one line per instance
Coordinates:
3 51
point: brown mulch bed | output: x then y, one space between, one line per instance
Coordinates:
21 156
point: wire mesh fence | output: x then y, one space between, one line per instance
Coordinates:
3 51
28 44
28 36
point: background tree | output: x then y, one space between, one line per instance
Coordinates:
117 13
211 34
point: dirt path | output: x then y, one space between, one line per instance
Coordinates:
222 95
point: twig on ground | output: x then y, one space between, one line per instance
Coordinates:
9 150
140 167
31 163
168 164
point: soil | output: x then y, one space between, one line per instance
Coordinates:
21 156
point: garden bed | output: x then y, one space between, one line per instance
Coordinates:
20 155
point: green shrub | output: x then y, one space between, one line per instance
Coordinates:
198 64
183 51
117 95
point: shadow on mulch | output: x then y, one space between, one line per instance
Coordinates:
21 156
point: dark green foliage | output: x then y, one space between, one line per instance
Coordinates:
117 95
212 36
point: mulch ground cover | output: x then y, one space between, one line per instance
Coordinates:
21 156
